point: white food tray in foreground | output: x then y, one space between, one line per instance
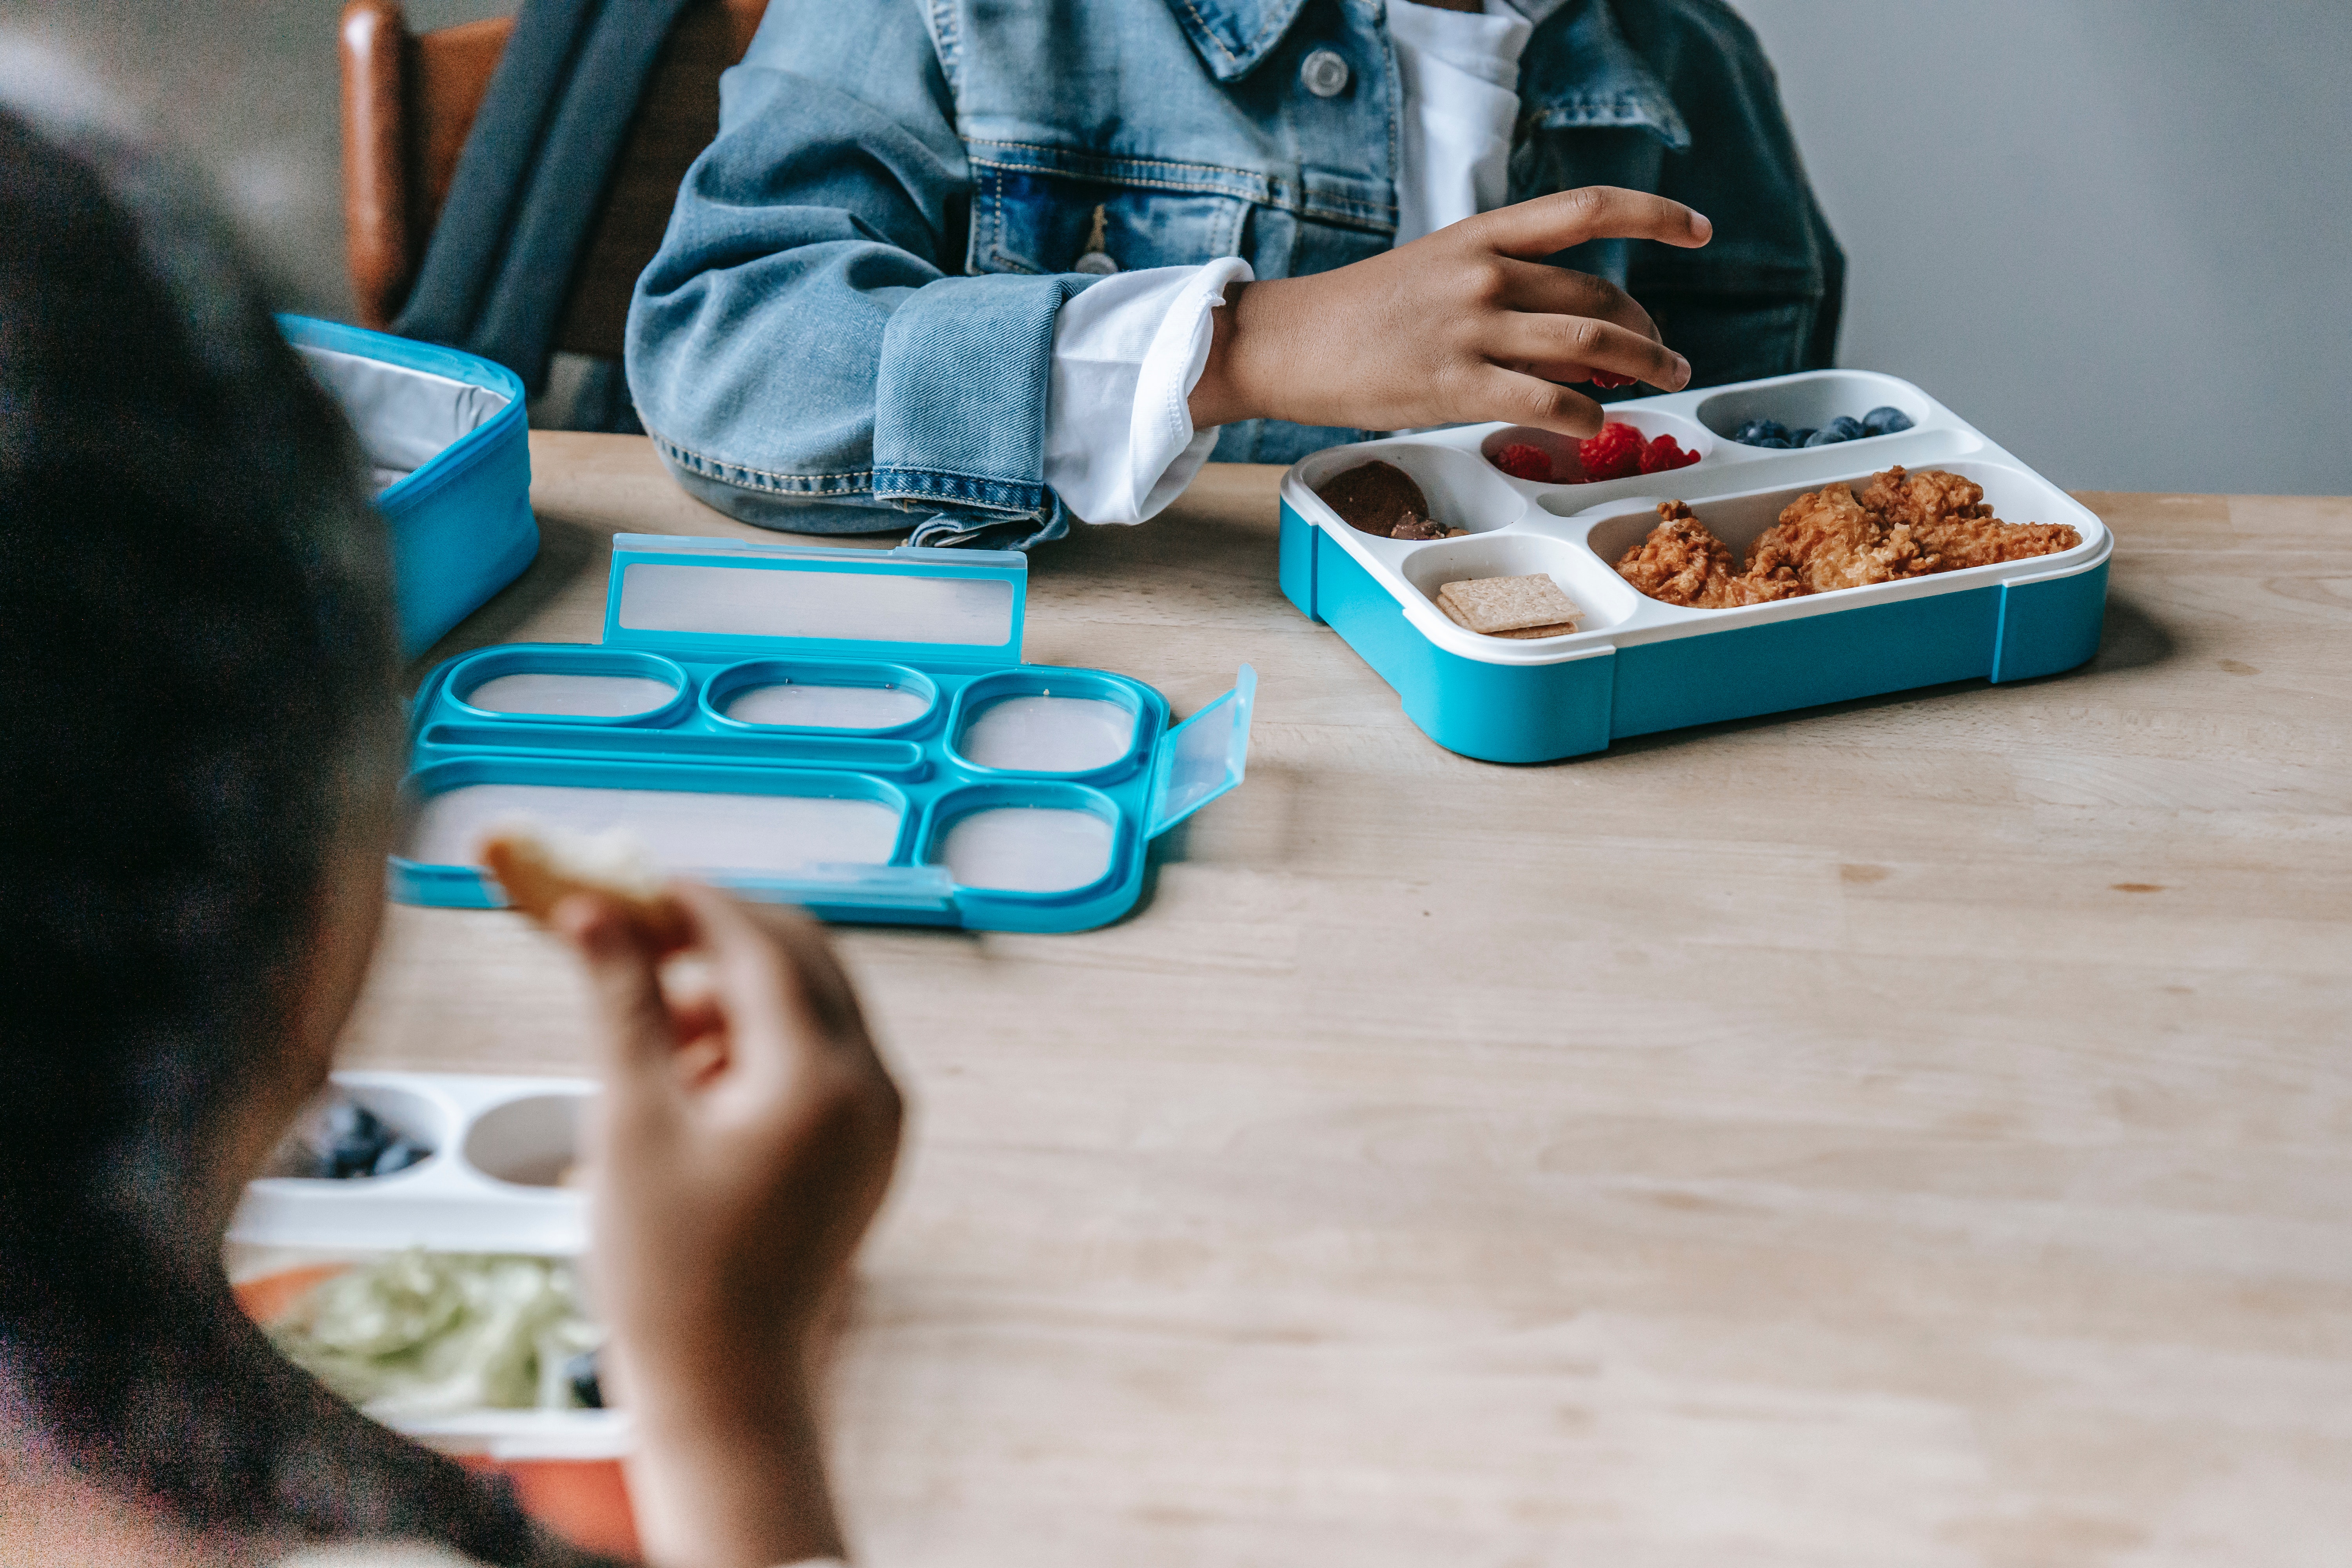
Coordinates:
501 1149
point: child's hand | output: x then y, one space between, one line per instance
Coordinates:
1461 326
741 1145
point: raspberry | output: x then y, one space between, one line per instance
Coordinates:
1614 454
1662 455
1607 379
1522 461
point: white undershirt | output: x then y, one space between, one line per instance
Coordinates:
1119 442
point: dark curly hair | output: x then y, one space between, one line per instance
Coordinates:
198 677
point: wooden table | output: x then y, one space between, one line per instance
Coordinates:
1917 1132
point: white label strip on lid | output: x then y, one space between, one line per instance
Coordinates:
850 607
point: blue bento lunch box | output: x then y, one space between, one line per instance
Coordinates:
848 730
449 442
1636 666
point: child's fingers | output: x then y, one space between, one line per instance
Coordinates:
1567 348
624 974
1548 225
1523 399
795 1029
825 985
1550 290
758 984
833 1000
765 932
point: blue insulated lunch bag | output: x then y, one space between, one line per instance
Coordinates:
450 444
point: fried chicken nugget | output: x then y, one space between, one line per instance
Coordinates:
1681 562
1924 497
1947 515
1903 525
1826 541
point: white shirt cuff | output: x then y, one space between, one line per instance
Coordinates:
1119 442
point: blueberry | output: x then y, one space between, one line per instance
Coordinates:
579 1373
349 1119
1801 438
1829 438
1885 420
1847 426
1757 432
356 1140
398 1155
1774 442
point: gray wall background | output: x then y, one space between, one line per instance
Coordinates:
2115 234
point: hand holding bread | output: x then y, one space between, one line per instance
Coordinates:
743 1141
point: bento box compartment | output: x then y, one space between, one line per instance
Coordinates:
1027 848
681 829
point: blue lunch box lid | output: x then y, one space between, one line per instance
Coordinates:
716 615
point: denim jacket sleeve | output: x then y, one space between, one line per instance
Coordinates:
801 349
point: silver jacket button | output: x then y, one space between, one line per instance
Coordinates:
1325 73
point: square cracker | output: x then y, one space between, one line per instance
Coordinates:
1558 629
1498 605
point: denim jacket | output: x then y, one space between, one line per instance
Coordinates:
850 323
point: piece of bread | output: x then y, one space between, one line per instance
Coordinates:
540 868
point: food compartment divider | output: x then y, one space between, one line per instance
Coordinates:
1814 397
801 749
474 676
1047 837
485 1129
1637 665
739 617
1032 723
712 820
900 700
452 1202
1563 450
1604 597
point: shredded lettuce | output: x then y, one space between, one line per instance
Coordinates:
435 1334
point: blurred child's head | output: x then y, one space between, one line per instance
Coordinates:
197 692
201 747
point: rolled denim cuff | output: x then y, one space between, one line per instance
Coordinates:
851 512
959 402
976 530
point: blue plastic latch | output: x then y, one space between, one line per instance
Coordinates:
738 599
1204 756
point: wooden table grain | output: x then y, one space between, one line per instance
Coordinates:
1915 1131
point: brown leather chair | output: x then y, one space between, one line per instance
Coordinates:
410 97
